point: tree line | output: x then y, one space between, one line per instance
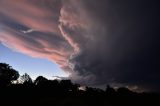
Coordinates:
43 91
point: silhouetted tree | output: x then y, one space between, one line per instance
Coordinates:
26 79
7 74
54 84
124 91
75 87
110 91
41 81
66 85
90 91
64 93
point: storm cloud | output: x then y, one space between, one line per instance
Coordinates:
97 42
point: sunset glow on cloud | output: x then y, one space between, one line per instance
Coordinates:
41 36
95 42
44 34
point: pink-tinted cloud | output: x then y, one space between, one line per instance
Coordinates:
55 30
48 29
30 14
42 38
40 49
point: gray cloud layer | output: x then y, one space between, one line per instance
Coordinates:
98 42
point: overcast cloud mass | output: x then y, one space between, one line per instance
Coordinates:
98 42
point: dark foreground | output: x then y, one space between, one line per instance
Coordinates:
44 92
34 96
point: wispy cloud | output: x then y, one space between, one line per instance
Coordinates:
30 14
27 31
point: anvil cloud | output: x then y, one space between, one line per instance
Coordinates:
97 42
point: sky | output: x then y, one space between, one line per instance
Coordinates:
32 66
92 42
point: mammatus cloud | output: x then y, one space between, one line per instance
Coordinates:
97 42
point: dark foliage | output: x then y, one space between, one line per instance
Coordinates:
7 74
26 79
44 92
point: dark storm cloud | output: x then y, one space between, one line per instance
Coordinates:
125 45
98 42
